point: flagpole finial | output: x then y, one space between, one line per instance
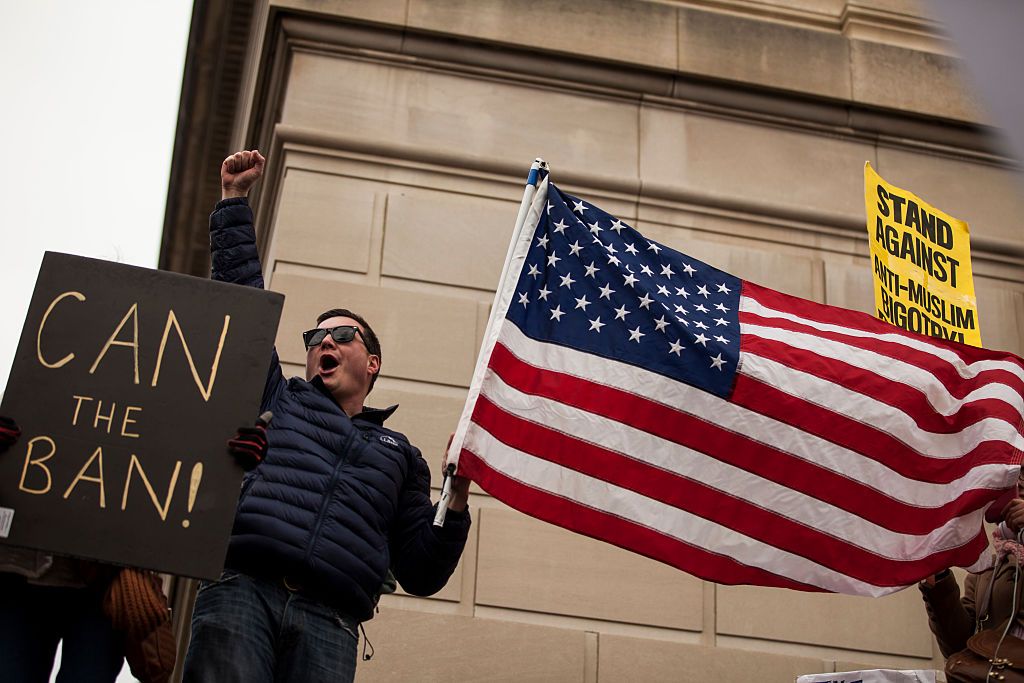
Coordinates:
535 168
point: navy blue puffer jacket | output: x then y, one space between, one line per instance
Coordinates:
338 500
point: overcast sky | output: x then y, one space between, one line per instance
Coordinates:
90 101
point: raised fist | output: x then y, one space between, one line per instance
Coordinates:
239 173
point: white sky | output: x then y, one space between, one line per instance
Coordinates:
89 94
90 102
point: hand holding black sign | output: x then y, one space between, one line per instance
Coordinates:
126 384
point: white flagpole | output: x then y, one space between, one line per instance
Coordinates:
497 312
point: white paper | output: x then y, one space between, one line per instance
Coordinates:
873 676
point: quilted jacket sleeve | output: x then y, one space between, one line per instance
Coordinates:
423 556
950 618
234 258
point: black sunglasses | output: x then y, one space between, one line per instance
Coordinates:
342 334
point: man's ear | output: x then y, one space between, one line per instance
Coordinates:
373 364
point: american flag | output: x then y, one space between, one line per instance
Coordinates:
636 395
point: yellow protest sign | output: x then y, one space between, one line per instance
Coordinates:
921 259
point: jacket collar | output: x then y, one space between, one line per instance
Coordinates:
373 415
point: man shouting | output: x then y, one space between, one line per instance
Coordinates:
332 501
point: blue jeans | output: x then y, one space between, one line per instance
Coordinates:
33 619
252 629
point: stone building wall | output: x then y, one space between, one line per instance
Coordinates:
399 134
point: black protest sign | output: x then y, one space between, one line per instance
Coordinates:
127 384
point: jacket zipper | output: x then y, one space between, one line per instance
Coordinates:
329 495
247 484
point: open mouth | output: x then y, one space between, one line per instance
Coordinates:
328 363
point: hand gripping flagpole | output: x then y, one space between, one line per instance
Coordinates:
481 361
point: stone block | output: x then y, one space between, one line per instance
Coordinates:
382 11
1001 314
324 220
895 624
850 285
635 33
763 53
912 80
419 646
527 564
734 164
447 238
406 323
623 658
461 115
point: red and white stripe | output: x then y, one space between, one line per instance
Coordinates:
852 457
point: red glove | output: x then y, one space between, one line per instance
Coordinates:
9 433
249 447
